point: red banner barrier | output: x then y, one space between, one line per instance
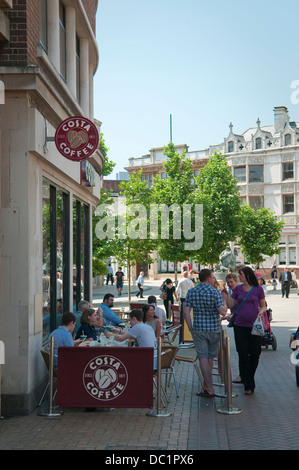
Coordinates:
116 377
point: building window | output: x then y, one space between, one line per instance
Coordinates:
62 36
256 202
43 19
240 173
287 171
231 146
163 175
258 143
78 69
256 173
288 203
282 256
287 139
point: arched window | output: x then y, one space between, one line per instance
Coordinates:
231 146
258 143
287 139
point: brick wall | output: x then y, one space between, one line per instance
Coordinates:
24 34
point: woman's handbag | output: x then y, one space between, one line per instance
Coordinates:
163 296
232 320
258 328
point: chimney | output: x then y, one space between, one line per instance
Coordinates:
281 117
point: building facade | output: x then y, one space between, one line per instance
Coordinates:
48 58
265 161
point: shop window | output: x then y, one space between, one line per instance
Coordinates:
287 171
256 173
81 251
240 173
292 255
282 256
288 203
56 265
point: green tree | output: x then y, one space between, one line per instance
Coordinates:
176 192
259 233
218 192
129 229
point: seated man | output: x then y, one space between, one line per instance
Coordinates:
63 334
152 300
143 334
110 318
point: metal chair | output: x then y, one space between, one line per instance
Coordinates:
46 357
165 358
175 330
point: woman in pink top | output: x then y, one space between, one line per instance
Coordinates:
248 346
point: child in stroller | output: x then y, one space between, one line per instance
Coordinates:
268 338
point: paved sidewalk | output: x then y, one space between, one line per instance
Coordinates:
269 418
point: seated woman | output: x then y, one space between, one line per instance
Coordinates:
151 319
88 319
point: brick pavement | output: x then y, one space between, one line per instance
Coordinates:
269 418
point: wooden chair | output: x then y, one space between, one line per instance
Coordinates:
165 357
190 360
168 365
46 357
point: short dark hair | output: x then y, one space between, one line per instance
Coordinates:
67 318
152 299
205 274
107 296
138 314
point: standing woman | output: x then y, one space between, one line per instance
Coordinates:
170 290
249 300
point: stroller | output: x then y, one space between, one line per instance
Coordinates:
268 338
294 345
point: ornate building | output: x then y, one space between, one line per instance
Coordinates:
265 161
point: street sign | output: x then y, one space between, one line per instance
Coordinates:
77 138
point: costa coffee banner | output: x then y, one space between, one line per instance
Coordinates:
117 377
77 138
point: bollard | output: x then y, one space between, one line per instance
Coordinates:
50 413
229 410
158 413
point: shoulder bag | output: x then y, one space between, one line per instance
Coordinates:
232 320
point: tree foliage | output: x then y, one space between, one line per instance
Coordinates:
259 233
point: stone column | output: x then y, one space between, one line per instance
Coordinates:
84 75
70 14
53 33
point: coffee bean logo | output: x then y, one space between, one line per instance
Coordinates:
76 138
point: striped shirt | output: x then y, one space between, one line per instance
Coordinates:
205 301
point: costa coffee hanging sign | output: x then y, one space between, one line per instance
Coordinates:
77 138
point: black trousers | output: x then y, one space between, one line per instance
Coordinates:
140 291
285 289
249 350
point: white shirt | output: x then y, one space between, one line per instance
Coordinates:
183 286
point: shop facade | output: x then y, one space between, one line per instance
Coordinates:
47 200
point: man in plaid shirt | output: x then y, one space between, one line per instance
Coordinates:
207 305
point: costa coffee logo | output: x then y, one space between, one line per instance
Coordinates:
105 378
77 138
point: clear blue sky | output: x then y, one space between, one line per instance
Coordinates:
208 63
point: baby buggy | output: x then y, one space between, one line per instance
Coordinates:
294 345
269 338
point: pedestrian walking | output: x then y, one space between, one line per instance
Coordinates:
208 305
109 275
285 278
140 283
